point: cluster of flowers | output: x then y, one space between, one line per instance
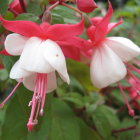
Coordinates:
43 49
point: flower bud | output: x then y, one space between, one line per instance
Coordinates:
86 6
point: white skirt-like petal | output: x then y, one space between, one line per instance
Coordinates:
54 55
32 58
14 44
29 82
123 47
106 67
51 84
17 72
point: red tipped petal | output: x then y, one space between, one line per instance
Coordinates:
80 43
25 28
90 32
113 25
96 20
4 52
71 47
86 6
63 31
102 27
69 51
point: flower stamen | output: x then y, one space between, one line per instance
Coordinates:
12 92
38 100
130 110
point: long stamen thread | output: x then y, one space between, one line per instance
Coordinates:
38 100
137 82
131 111
12 92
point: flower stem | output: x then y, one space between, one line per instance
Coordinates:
70 7
53 6
124 129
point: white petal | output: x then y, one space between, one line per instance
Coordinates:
54 55
29 82
106 67
123 47
17 72
51 82
32 58
14 43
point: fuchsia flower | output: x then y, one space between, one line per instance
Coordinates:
86 6
108 53
41 50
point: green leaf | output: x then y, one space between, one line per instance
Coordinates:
57 19
28 16
75 84
77 69
75 98
3 6
127 135
2 114
137 132
111 115
102 124
3 74
117 97
87 133
34 7
67 14
16 116
8 61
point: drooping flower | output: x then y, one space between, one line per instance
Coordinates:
109 54
41 51
86 6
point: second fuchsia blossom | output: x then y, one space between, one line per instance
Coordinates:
41 50
109 55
